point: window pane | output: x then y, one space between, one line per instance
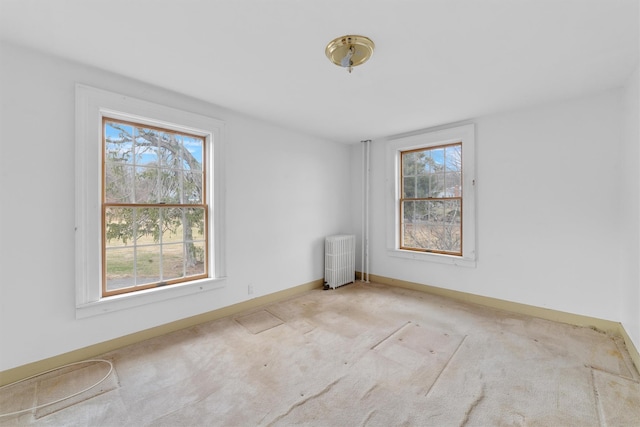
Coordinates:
172 261
409 163
453 155
435 184
453 184
170 147
414 235
409 187
146 147
147 264
453 211
118 142
192 187
405 236
436 211
423 185
421 212
194 224
407 211
451 227
437 158
193 155
120 268
118 183
430 237
119 226
169 186
146 184
147 225
172 228
196 252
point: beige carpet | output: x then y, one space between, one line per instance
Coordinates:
360 355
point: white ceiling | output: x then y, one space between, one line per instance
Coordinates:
436 61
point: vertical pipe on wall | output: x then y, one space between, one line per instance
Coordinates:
366 149
368 191
364 202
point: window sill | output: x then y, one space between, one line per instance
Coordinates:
148 296
429 257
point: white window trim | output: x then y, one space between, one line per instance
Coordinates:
91 105
464 134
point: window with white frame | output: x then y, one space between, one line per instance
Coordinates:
149 217
430 207
154 207
431 204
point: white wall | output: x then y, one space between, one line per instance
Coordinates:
278 199
630 210
548 200
558 208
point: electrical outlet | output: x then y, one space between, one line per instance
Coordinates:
250 288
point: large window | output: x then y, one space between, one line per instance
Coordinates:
431 197
154 215
149 202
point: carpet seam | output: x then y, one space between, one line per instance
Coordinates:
391 334
446 365
596 395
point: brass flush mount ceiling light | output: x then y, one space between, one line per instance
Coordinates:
349 51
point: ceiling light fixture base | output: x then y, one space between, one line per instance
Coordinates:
349 51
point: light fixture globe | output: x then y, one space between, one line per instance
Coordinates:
349 51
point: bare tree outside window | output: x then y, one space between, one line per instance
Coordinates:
154 207
431 199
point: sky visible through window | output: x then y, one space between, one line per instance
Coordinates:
116 143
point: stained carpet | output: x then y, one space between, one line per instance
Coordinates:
359 355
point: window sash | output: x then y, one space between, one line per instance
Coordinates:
160 259
432 233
